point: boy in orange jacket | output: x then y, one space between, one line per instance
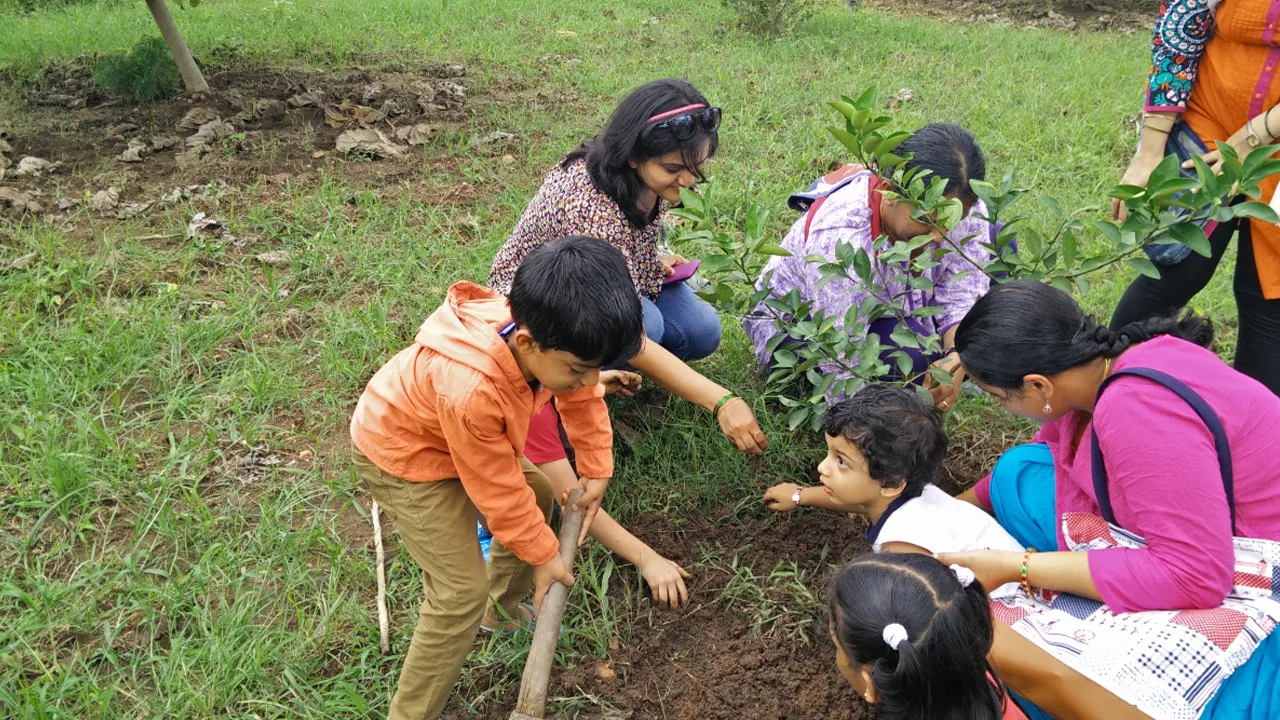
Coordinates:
439 436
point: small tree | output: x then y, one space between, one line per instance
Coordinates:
192 78
809 349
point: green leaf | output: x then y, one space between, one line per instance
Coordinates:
1256 211
1168 170
866 99
797 417
862 264
1144 266
892 141
846 138
1192 236
904 362
904 337
1110 229
1127 192
888 161
784 358
773 250
844 108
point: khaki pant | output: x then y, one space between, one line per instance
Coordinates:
437 524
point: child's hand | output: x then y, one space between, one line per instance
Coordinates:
543 575
666 581
592 494
778 497
620 382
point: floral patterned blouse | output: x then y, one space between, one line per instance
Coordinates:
1183 29
569 204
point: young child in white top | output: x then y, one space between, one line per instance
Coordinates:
884 448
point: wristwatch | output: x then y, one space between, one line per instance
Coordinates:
795 497
1250 136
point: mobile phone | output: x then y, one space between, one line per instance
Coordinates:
680 273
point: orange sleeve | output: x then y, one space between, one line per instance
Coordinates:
490 473
586 422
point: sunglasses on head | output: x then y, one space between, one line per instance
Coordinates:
683 122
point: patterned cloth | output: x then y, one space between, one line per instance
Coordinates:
569 204
1183 29
1169 664
851 215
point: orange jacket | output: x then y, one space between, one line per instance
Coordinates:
456 405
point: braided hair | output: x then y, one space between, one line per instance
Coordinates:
1026 327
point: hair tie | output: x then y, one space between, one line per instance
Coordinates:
894 634
1136 332
964 575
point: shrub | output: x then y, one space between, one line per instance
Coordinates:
771 17
146 72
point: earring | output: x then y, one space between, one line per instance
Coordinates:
1047 409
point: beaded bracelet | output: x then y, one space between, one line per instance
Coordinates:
1026 556
720 405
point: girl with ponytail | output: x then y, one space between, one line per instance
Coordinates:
1142 425
912 636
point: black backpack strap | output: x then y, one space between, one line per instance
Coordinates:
1207 416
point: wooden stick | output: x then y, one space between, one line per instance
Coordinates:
542 654
383 628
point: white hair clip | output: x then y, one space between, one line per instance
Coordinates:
964 575
894 634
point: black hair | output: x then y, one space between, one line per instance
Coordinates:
900 436
1026 327
949 152
940 671
629 137
576 294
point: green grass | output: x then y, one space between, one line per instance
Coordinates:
146 572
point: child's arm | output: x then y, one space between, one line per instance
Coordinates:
586 422
781 498
664 577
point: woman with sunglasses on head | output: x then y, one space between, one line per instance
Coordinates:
617 186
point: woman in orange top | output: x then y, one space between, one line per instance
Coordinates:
1214 78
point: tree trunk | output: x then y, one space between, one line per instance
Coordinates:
192 78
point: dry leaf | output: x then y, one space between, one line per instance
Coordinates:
105 200
21 262
211 132
210 227
135 152
369 142
566 34
317 154
18 200
508 159
311 98
128 210
31 166
418 134
494 137
274 258
196 117
605 670
5 147
164 142
900 98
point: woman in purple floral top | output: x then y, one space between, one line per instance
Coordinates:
616 187
853 211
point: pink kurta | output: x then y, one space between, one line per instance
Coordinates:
1164 479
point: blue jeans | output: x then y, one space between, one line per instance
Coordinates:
682 322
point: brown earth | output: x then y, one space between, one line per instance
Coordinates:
1126 16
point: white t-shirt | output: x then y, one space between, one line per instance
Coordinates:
939 523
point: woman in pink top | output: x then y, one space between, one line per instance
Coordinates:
1033 349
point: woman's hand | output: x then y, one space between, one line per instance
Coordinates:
739 424
778 497
992 567
666 581
1139 173
945 396
1239 141
620 382
669 263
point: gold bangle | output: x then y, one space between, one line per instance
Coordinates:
1026 584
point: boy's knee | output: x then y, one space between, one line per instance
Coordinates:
467 601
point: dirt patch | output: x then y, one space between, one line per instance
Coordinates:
710 660
257 125
1099 15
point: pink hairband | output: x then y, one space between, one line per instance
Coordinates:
677 111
